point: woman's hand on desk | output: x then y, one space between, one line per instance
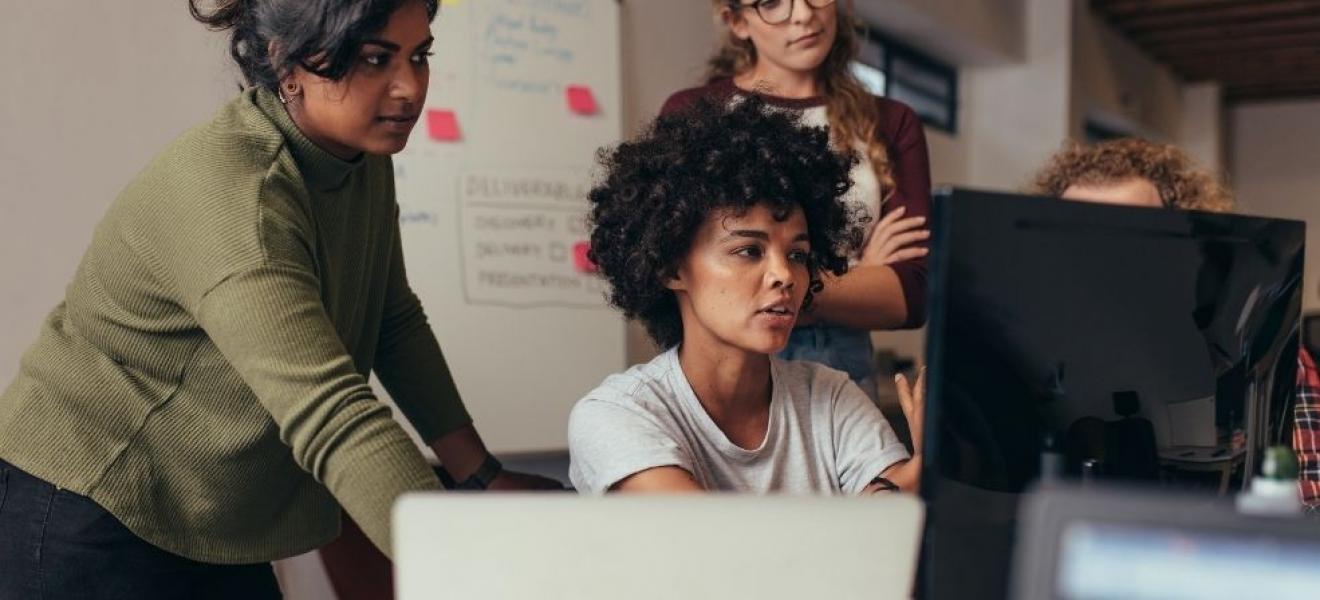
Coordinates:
895 239
462 453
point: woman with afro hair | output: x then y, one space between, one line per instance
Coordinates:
797 56
714 228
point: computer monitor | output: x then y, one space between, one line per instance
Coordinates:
1102 542
1071 340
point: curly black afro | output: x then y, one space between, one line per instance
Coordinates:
660 187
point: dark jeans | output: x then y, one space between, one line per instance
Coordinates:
55 544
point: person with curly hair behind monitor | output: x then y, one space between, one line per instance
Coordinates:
1134 172
1137 172
715 228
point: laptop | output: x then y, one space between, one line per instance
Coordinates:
521 546
1102 542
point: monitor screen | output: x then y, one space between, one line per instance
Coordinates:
1072 340
1100 561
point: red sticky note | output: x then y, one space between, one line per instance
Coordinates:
442 126
581 100
581 261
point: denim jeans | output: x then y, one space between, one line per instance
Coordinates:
842 348
57 545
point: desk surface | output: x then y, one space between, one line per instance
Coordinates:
1201 454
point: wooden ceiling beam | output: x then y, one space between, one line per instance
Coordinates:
1230 52
1128 7
1250 60
1218 14
1241 79
1253 78
1239 69
1236 95
1292 85
1262 87
1257 49
1221 32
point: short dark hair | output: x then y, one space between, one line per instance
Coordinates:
659 188
322 36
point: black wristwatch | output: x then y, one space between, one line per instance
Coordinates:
482 478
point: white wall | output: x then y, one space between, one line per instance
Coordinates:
1017 115
975 33
665 47
1116 83
1276 172
92 91
1203 124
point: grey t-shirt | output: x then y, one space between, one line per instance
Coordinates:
825 435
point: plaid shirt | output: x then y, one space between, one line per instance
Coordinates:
1306 430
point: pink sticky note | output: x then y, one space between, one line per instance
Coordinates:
442 126
581 261
581 100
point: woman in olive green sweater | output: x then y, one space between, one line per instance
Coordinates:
198 404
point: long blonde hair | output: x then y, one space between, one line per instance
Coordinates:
852 111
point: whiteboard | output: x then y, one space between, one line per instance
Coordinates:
492 192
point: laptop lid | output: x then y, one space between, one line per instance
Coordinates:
488 547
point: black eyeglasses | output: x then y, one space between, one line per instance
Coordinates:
778 12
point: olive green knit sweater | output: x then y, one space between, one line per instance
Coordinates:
205 377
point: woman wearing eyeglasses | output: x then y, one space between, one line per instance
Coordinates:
795 54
